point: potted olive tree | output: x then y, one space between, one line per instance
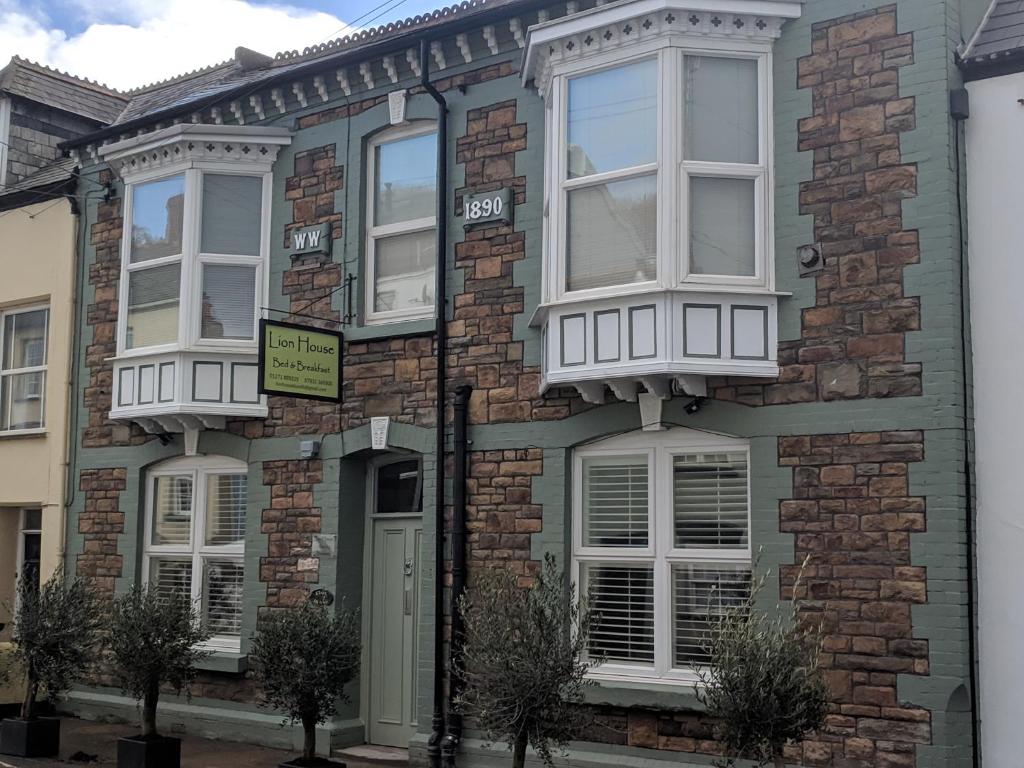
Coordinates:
525 661
56 630
154 640
764 685
303 657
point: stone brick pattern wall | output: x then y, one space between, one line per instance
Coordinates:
853 514
35 132
289 523
853 341
100 522
501 517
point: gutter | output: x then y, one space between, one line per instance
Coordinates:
441 339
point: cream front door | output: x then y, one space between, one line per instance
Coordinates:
397 533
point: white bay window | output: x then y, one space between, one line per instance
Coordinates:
661 544
659 236
194 263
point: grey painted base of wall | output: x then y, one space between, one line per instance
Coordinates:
225 724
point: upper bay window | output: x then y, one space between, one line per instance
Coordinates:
661 172
195 254
401 243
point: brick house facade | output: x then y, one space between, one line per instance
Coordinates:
853 448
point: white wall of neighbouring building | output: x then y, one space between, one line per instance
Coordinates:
995 203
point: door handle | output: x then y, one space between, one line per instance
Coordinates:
408 566
408 602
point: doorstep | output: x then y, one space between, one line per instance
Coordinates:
373 755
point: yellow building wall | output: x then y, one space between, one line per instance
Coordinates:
37 266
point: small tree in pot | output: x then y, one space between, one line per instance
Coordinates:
525 661
56 631
764 684
303 657
154 640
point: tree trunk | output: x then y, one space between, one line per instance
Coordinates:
519 750
149 709
308 737
28 706
780 761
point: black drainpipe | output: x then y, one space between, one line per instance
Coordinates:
461 413
441 337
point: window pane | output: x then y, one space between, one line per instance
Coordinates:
33 520
25 339
721 109
399 490
226 499
172 510
222 596
721 226
613 119
170 576
153 306
231 214
403 271
158 209
21 398
710 501
701 594
229 301
406 180
612 234
615 508
622 596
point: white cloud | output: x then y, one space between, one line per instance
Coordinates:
129 43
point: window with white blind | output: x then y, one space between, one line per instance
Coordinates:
658 169
194 258
401 223
661 543
23 342
195 539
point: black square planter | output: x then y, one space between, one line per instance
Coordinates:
39 737
148 752
316 762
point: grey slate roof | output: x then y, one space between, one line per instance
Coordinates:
60 90
47 177
1000 34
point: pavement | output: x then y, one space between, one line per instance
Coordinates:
85 743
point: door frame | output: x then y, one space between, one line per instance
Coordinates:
366 619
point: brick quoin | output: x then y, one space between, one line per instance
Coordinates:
853 340
100 522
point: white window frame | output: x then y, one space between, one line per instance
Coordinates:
199 468
189 335
660 450
374 232
673 171
4 373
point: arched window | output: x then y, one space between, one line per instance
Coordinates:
401 223
195 538
661 540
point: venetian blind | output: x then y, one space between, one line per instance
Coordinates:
615 501
701 594
710 501
170 576
226 499
622 596
222 596
172 510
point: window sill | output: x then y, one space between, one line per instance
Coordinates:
227 662
20 433
650 694
419 327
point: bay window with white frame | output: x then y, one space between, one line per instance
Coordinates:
659 170
401 223
661 543
195 539
194 258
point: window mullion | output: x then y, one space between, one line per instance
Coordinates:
189 321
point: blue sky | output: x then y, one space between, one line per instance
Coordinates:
127 43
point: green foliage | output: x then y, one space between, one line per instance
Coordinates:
155 640
303 657
764 684
56 631
525 671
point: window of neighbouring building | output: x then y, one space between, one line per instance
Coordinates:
661 541
23 340
401 244
194 259
195 538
